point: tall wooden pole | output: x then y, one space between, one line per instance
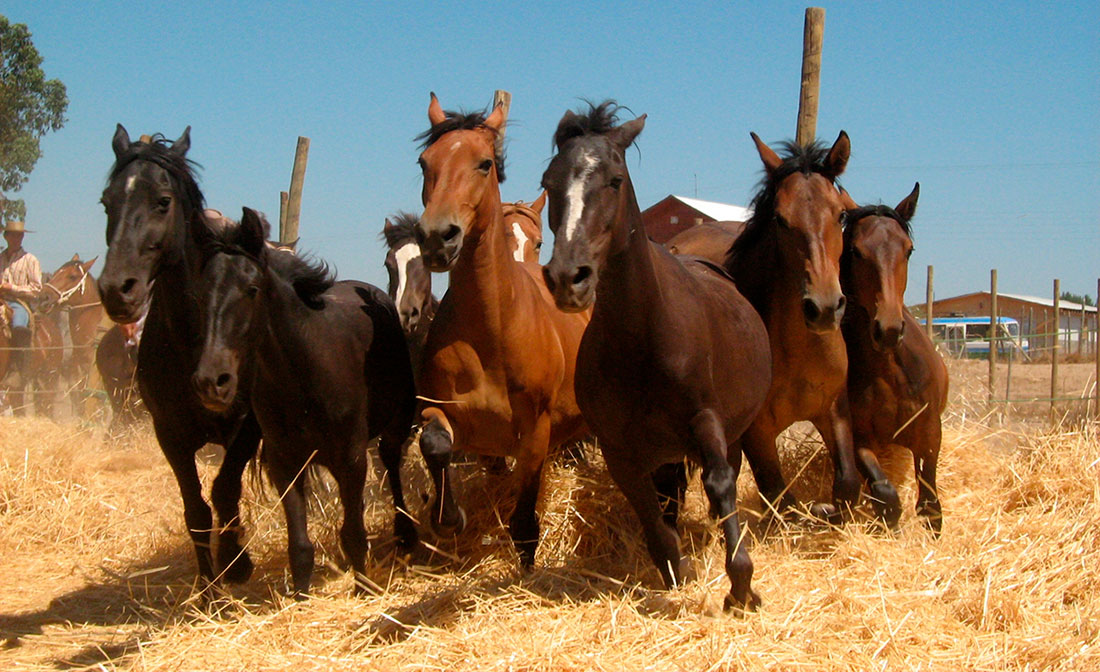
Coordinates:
294 201
813 37
504 99
994 323
928 303
1057 346
283 198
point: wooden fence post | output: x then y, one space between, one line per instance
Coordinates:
928 304
294 200
283 198
813 36
504 99
993 324
1054 350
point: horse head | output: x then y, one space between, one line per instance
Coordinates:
410 283
523 226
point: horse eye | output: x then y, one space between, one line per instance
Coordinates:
781 221
616 182
163 202
422 163
253 290
485 165
843 218
909 253
538 245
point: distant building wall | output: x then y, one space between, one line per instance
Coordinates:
668 217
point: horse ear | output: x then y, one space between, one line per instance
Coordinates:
539 203
767 154
846 200
496 120
87 265
624 135
184 143
837 160
121 142
908 206
387 226
435 111
76 257
250 234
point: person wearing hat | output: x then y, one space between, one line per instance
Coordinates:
20 282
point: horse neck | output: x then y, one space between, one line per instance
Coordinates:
176 287
283 341
85 312
481 278
630 270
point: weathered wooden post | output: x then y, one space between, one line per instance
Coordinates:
813 37
993 324
283 198
504 99
1057 345
289 235
928 304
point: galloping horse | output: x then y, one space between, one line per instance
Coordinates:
675 361
523 224
787 263
410 283
497 374
73 286
331 372
153 202
897 382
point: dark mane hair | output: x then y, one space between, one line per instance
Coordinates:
400 230
877 211
597 120
180 168
462 121
758 235
309 277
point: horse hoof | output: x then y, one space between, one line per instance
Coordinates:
686 573
885 501
450 528
827 513
237 568
405 529
737 607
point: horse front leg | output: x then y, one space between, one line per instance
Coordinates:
196 513
290 481
836 431
351 479
391 448
437 446
233 560
534 444
884 498
926 454
758 445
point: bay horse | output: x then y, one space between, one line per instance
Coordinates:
153 202
497 374
116 361
787 264
675 361
330 373
410 282
73 286
523 225
897 382
710 240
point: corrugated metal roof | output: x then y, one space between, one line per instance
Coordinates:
722 212
1037 300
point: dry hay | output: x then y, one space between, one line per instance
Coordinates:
97 572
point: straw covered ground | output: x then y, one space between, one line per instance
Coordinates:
96 571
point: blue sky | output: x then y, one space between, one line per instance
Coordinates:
993 108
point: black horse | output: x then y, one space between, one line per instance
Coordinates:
331 372
152 203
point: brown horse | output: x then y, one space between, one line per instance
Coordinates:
497 374
73 286
675 361
897 382
410 283
710 240
523 225
787 263
116 361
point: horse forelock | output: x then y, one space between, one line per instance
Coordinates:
596 120
464 121
402 229
880 210
181 169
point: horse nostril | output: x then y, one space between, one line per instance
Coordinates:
582 274
841 303
414 313
901 329
128 285
223 380
810 310
451 232
877 332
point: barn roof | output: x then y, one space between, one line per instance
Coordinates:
722 212
1046 302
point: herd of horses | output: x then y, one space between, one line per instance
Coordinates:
700 356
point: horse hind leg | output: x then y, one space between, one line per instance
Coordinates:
670 480
291 485
925 457
391 447
351 478
233 560
720 467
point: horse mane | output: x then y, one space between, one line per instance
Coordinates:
756 236
400 230
463 121
309 277
877 211
180 168
597 120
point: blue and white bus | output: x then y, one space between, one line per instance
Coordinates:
969 336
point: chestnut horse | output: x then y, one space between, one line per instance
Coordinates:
710 240
897 382
523 224
152 202
675 361
497 373
410 283
73 286
787 264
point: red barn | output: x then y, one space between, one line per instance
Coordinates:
673 214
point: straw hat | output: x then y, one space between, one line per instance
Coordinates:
17 227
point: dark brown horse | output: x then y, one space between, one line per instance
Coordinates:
675 361
897 382
497 374
330 373
152 202
787 263
410 283
72 286
116 361
709 240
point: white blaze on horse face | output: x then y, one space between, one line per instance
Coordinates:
130 184
521 241
404 254
574 195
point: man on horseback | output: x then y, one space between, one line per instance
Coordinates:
20 282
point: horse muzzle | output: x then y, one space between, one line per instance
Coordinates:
888 337
573 288
124 300
823 316
439 246
216 390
